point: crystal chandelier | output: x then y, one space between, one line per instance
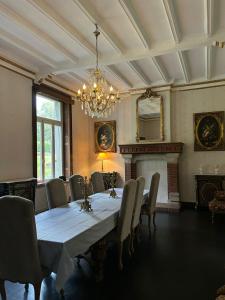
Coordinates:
98 98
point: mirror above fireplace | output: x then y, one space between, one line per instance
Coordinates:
149 116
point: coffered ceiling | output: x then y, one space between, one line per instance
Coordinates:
142 42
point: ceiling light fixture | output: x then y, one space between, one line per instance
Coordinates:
98 98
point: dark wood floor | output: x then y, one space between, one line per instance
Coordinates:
185 259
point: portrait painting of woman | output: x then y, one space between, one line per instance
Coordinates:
105 136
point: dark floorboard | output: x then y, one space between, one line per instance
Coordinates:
185 259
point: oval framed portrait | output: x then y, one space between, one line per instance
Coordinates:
209 131
105 136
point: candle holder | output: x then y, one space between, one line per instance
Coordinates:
85 205
113 193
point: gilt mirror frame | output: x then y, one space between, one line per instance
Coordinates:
150 94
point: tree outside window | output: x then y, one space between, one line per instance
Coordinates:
49 138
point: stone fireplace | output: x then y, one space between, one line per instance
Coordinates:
146 159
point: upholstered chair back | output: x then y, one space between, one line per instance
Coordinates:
126 210
138 201
56 193
153 192
19 257
97 182
76 187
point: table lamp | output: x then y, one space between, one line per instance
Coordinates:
102 156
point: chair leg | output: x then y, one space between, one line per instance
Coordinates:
213 217
149 224
140 220
132 240
154 221
26 287
120 253
137 233
62 294
2 289
130 244
37 290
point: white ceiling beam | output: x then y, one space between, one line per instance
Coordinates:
118 75
20 44
184 66
135 21
173 22
172 19
208 62
109 59
208 17
95 18
28 26
160 69
69 30
77 77
134 66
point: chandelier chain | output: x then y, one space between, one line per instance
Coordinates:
96 33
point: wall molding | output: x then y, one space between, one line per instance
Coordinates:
20 70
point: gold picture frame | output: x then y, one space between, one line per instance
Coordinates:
209 131
105 136
150 95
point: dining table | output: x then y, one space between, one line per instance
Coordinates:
67 231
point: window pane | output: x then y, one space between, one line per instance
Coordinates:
48 108
58 151
39 151
48 151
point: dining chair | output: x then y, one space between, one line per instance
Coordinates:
149 207
125 217
76 182
137 209
19 256
97 182
56 193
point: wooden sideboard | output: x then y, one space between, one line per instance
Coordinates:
20 187
206 186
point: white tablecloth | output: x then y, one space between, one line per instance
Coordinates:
66 232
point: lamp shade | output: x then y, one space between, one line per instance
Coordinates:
102 155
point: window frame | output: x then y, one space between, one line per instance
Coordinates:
53 123
66 122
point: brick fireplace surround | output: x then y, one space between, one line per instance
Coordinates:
169 152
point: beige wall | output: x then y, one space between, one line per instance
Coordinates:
184 104
81 126
179 106
15 125
125 116
16 132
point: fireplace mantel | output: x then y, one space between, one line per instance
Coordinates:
155 148
169 153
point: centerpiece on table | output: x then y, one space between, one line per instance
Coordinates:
85 204
113 193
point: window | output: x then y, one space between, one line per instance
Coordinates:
49 137
52 132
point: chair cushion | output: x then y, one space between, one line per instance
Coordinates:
217 205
